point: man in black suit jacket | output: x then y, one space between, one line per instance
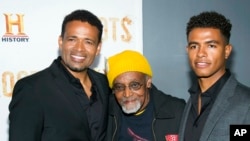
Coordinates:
67 101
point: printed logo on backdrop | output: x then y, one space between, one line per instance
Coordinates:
14 29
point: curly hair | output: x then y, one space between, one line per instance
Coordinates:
210 19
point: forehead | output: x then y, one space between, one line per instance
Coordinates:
204 33
80 28
130 76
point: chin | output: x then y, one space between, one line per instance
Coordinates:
128 109
200 73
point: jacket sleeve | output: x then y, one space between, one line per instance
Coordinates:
25 118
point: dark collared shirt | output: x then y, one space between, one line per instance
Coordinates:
91 106
195 122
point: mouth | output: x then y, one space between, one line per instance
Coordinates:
126 102
77 58
201 64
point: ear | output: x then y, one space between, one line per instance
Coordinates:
149 82
228 50
60 40
186 49
98 49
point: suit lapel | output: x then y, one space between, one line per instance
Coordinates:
219 107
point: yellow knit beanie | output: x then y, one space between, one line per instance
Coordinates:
125 61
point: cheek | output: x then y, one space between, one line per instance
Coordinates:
217 57
64 49
142 99
191 56
220 61
95 52
118 97
141 96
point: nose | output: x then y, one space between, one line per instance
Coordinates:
80 45
127 92
201 52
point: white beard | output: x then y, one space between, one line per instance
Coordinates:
131 107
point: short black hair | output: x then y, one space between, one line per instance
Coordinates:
210 19
84 16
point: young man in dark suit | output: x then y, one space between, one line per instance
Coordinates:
217 99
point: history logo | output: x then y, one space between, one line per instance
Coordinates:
14 29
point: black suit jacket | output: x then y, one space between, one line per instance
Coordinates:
45 108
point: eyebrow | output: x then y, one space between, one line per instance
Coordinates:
212 41
70 36
189 43
207 42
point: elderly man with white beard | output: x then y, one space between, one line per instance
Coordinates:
138 110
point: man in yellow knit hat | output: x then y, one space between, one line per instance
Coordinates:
138 110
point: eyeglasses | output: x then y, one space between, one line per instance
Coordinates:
133 86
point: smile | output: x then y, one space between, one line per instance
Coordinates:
201 64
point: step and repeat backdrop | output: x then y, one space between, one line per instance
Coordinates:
29 31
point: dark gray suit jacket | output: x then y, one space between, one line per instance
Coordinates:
44 108
232 106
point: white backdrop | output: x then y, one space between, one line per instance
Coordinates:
30 29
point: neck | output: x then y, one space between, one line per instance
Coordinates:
206 82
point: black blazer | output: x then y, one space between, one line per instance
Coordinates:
44 108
